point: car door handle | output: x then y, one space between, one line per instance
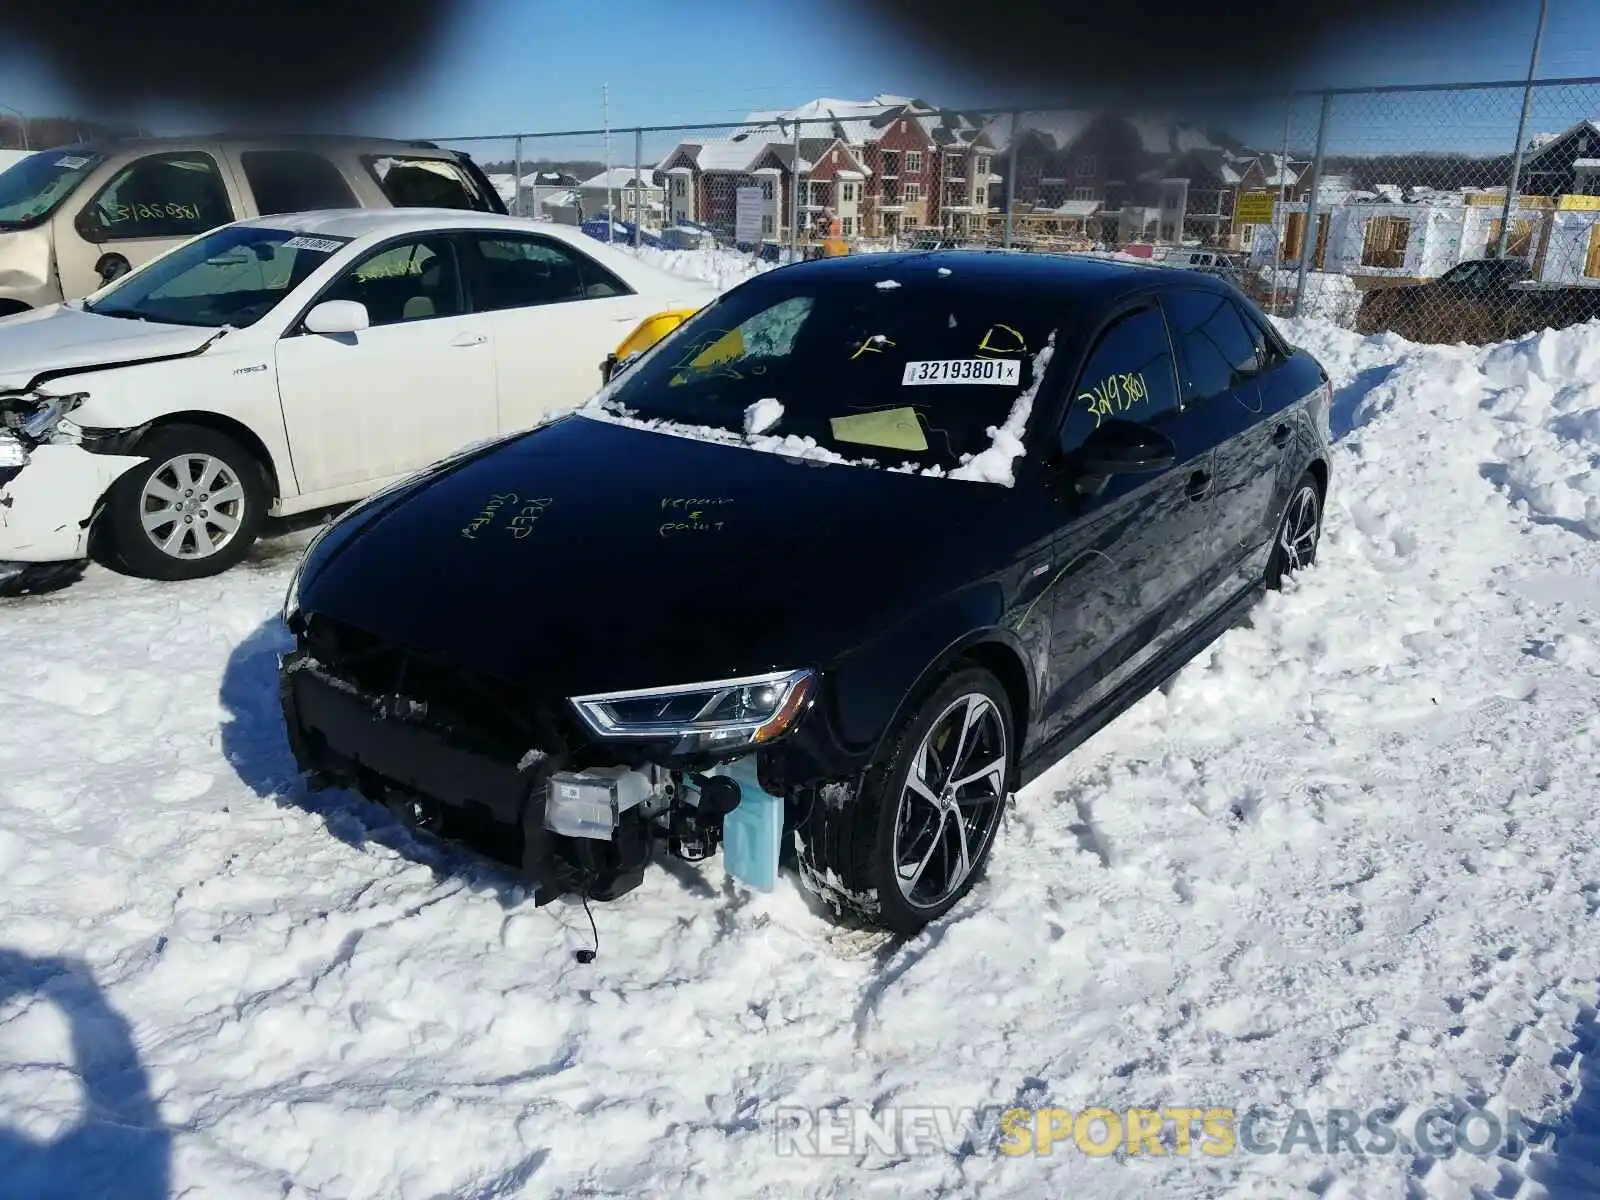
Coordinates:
468 339
1280 435
1199 485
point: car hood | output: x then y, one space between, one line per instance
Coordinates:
63 338
587 556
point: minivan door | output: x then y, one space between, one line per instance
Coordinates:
151 204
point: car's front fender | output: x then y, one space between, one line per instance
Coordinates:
873 689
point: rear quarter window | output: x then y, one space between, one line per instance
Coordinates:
417 182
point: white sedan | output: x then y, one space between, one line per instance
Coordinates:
290 363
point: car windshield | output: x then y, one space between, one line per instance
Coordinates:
32 189
232 276
922 369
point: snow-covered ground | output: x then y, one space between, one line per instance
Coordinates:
1346 859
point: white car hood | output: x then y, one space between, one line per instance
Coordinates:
63 338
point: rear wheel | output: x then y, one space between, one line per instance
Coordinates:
1299 532
192 509
914 840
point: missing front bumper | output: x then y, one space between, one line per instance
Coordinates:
48 503
433 782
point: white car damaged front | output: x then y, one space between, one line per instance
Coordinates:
50 485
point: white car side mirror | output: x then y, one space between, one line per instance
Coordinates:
338 316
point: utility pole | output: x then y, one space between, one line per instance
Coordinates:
22 124
1522 133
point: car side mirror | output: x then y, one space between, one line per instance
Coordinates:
110 267
338 316
89 226
1125 448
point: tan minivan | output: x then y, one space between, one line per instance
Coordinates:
74 218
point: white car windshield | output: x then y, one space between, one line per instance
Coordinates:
232 276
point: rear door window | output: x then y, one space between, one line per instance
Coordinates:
1217 349
292 181
176 195
415 182
524 272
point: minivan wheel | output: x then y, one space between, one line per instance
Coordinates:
1294 547
192 509
915 838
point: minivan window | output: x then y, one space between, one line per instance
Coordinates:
411 182
292 181
175 195
35 187
233 276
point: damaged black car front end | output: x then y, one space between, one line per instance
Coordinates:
575 798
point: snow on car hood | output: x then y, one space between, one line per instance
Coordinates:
64 337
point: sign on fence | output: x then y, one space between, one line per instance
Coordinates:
747 215
1253 208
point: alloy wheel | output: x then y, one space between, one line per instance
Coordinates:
1301 525
951 804
192 506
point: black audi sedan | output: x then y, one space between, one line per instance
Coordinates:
822 578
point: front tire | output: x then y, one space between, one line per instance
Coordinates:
192 509
915 838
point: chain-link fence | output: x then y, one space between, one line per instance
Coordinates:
1442 213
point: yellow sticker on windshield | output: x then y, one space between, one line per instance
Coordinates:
892 429
725 349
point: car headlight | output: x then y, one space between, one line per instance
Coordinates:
12 452
724 714
34 416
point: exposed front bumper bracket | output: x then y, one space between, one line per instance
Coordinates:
340 736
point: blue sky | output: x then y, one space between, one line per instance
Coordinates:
513 65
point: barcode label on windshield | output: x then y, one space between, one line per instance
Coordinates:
71 162
1005 371
320 245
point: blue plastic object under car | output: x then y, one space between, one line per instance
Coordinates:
752 834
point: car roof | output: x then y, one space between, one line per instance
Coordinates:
112 145
1101 280
360 222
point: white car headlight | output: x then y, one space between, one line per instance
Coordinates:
12 452
52 411
723 714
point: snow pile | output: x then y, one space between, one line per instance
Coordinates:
1540 393
716 265
1346 859
994 464
789 445
1329 296
762 416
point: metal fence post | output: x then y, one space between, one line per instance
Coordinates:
516 182
639 190
1522 133
1011 173
1308 246
1278 215
794 208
